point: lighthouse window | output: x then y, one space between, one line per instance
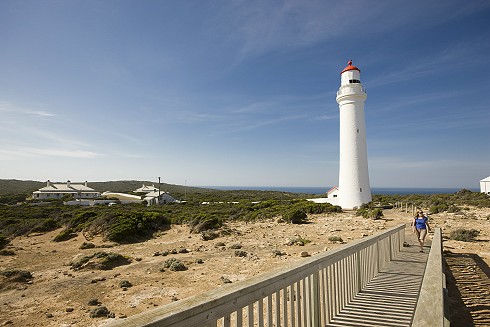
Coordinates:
354 81
358 130
360 189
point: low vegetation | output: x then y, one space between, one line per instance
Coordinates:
367 211
464 235
136 222
438 202
101 261
15 275
3 241
205 211
174 265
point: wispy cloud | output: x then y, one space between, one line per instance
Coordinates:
458 55
28 152
247 126
12 108
261 27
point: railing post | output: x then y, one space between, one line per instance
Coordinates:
390 247
315 300
358 271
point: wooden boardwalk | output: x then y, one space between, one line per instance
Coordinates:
389 300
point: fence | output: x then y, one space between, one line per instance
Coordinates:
307 294
432 306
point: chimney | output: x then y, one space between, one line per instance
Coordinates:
86 184
68 183
48 183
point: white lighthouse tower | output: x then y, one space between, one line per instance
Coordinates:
354 188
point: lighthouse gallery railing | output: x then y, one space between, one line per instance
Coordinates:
351 88
308 293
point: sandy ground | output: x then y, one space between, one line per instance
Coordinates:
59 296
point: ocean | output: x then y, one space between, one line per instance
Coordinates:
322 190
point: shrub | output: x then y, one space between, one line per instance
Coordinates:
94 302
465 235
16 275
101 311
87 245
125 283
109 260
240 253
208 235
82 220
133 226
370 213
204 223
174 265
295 216
3 241
335 239
47 225
65 235
100 260
298 241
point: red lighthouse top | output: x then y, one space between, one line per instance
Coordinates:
349 67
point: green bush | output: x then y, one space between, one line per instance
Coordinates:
3 241
298 241
65 235
174 265
16 275
87 245
295 216
465 235
133 226
47 225
82 219
335 239
370 213
101 260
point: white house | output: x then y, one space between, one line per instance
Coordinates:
485 185
58 190
158 197
146 189
333 192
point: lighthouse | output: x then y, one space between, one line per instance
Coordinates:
354 188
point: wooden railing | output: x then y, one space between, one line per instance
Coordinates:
307 294
432 304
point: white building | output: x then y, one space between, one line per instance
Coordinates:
485 185
354 187
58 190
146 189
158 197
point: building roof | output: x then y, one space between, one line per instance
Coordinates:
65 188
350 67
486 179
146 189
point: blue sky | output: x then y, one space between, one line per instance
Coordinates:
242 92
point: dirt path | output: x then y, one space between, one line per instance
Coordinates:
59 296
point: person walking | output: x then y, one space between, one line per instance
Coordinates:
420 226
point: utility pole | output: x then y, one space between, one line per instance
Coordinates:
158 201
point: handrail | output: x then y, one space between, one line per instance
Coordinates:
309 293
431 307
